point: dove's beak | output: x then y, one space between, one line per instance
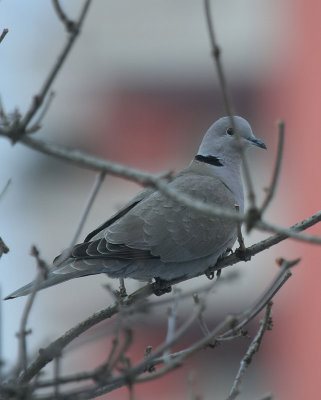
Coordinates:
257 142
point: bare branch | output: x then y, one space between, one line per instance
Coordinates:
265 324
23 332
4 190
268 396
270 241
4 249
266 297
216 52
48 354
117 370
239 232
37 125
277 169
230 325
201 320
95 189
106 369
222 80
221 329
172 315
68 23
1 337
84 160
39 98
3 34
266 226
57 365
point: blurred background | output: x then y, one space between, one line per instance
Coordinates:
140 88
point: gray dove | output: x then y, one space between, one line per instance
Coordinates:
156 237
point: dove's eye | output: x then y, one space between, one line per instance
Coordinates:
230 131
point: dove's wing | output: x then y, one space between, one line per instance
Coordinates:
158 227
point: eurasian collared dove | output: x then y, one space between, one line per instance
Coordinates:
156 237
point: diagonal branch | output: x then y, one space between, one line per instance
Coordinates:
277 169
68 23
23 332
84 160
3 34
95 189
253 348
39 98
48 354
175 360
222 80
56 347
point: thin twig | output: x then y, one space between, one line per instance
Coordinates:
190 385
94 191
201 320
4 190
1 338
171 321
280 279
122 288
23 332
3 34
216 333
111 363
39 98
37 125
57 365
268 396
230 323
112 352
68 23
289 232
269 242
222 80
4 249
133 372
216 52
265 324
239 232
277 169
56 346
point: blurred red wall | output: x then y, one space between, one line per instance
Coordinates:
294 349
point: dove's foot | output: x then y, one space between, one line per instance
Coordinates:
160 287
243 254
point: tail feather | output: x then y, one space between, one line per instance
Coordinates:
52 279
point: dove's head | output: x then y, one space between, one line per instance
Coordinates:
221 140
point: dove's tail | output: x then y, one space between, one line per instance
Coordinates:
51 280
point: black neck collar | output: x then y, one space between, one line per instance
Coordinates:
209 160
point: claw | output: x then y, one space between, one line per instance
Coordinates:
160 287
243 254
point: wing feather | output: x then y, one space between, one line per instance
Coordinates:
154 226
